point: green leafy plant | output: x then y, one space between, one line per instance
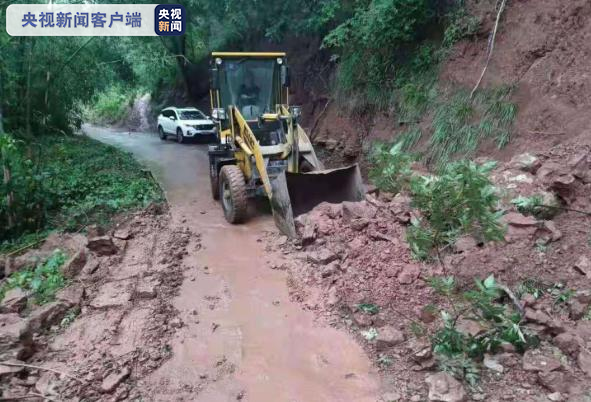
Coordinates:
370 334
460 25
70 317
536 206
42 281
391 167
460 200
368 308
459 353
385 360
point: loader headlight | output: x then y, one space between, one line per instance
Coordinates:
279 60
218 61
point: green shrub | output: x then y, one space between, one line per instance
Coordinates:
460 25
391 168
109 106
25 197
68 183
41 282
460 200
458 352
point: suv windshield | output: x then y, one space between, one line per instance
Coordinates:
191 115
249 85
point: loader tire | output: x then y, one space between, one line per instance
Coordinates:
233 194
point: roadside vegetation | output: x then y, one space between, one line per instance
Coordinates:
458 200
40 282
66 183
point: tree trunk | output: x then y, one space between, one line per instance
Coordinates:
1 100
28 89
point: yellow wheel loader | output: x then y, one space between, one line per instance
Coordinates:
261 149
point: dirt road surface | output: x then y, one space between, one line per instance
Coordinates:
250 342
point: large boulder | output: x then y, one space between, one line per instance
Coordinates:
74 265
444 388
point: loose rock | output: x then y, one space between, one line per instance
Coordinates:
526 162
388 337
584 361
322 257
534 360
47 315
102 245
112 381
74 265
15 300
583 265
444 388
409 274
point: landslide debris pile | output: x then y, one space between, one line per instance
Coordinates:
109 327
353 265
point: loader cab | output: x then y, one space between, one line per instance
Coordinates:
255 84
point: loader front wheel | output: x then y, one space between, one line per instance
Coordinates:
233 194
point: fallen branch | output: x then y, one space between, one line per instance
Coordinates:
41 368
564 209
513 298
547 132
490 48
28 396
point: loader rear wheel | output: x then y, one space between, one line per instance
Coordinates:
233 194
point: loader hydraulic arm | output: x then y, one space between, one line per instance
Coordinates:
248 143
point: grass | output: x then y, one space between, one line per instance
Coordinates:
459 125
41 282
84 182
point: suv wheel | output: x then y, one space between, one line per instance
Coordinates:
161 133
179 136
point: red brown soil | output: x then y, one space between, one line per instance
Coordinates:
126 317
372 263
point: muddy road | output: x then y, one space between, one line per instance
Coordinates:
250 340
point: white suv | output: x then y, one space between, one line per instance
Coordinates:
184 123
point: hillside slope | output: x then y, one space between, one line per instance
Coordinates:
542 51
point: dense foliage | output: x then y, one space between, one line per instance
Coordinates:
67 182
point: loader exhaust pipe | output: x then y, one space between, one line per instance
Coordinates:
297 193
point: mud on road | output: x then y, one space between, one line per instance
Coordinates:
230 332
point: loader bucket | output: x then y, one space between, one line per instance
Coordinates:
297 193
